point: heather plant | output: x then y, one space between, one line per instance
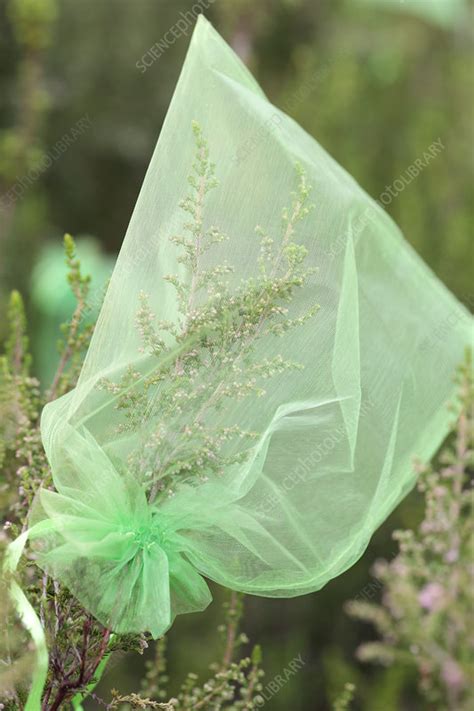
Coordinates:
424 619
208 357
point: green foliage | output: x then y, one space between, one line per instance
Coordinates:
425 616
234 684
17 344
76 334
21 453
32 21
21 146
344 701
135 701
20 150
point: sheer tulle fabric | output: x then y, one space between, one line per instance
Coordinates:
334 437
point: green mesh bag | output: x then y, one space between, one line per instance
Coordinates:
266 365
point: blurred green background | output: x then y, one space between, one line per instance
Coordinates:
375 81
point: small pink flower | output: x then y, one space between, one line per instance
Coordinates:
452 555
452 674
432 596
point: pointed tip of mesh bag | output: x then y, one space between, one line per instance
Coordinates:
203 24
202 28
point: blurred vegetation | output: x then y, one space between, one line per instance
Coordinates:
375 81
424 621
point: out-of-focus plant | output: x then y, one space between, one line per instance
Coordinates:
425 617
31 22
349 83
21 149
343 702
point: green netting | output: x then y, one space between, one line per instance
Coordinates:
267 363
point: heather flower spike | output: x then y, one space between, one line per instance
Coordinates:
265 366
